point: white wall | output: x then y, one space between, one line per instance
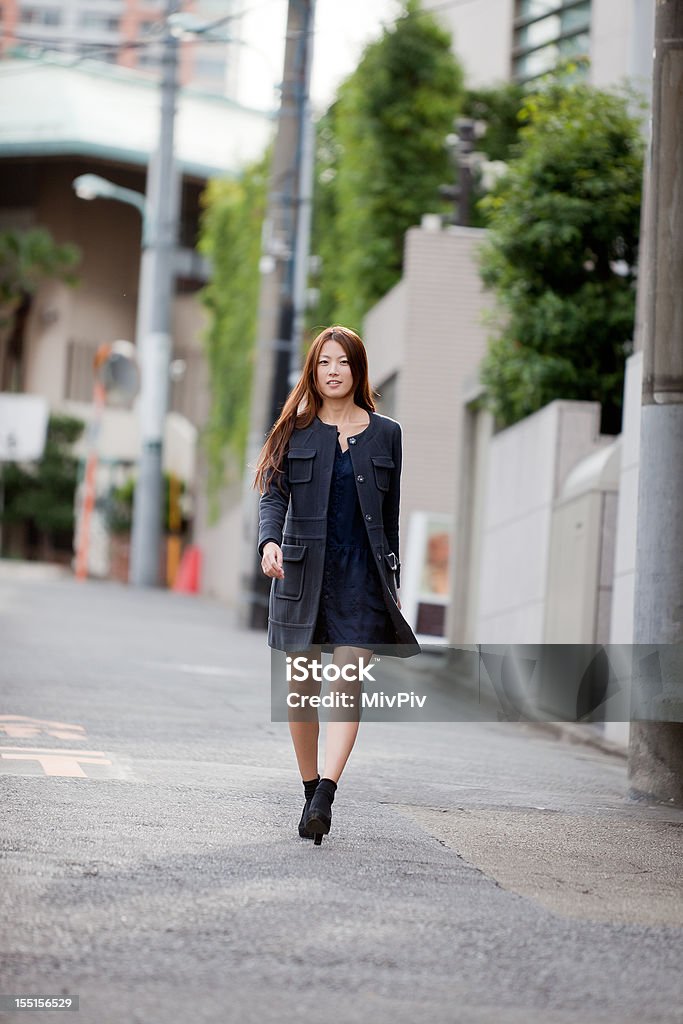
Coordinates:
621 631
581 569
384 334
623 589
445 339
622 40
482 37
429 330
527 466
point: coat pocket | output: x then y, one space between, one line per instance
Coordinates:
301 465
382 466
291 587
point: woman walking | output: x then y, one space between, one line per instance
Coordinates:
329 480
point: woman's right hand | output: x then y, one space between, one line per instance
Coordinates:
271 563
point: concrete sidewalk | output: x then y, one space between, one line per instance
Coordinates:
591 858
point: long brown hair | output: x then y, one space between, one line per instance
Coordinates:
304 401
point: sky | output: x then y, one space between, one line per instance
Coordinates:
342 29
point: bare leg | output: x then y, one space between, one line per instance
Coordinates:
342 727
304 726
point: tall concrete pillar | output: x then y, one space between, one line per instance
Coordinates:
656 744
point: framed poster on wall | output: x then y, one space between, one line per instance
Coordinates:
426 581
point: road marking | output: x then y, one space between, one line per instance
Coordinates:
56 762
203 670
24 727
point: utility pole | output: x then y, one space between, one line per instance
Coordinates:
656 741
460 194
157 281
278 340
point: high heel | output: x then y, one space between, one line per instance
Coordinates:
309 790
319 817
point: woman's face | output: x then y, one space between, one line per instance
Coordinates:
333 373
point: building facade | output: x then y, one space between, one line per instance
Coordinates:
503 40
126 32
61 121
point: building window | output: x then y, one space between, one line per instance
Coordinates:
40 16
547 32
99 22
149 60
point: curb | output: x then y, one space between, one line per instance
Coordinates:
571 732
16 569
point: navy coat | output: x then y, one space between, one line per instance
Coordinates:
297 522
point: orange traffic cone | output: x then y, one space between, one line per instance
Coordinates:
189 571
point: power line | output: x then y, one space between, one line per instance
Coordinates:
58 44
67 45
55 41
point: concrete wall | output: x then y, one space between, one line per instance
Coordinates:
621 630
430 327
623 587
444 342
468 534
528 464
384 334
581 563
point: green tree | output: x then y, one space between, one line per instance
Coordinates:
27 258
501 109
119 505
40 496
325 240
381 159
561 254
230 237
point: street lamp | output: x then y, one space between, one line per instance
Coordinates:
154 353
92 186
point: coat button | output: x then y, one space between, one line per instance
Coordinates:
360 477
368 517
352 440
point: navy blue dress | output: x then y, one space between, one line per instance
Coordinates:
352 609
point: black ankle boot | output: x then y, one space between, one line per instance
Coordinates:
309 790
319 817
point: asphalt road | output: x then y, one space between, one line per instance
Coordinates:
475 872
